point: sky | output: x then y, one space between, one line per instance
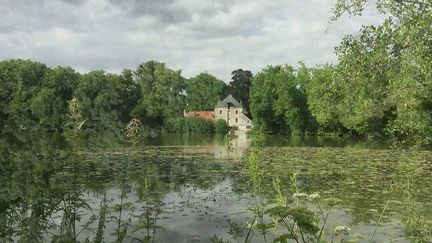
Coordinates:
214 36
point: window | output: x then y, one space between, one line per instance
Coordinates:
236 120
228 120
236 112
220 112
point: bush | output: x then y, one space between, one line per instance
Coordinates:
174 125
189 125
221 126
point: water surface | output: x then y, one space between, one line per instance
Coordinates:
187 188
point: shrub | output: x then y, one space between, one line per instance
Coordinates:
174 125
188 125
221 126
198 125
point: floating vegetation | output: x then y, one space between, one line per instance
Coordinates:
162 194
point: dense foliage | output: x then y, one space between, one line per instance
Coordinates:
188 125
221 126
240 85
381 85
278 100
162 93
204 91
35 97
385 73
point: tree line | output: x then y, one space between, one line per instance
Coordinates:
36 97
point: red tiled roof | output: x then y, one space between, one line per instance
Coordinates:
209 115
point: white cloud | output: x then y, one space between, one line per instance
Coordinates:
193 35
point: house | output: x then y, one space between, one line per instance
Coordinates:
228 109
208 115
233 113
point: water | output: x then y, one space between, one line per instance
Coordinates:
182 188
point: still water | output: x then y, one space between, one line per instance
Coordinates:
184 188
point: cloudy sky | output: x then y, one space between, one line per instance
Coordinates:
216 36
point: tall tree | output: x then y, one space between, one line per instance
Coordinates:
49 105
240 85
367 66
323 97
19 83
278 100
162 92
393 60
129 93
98 100
204 91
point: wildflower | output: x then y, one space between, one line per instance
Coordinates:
342 230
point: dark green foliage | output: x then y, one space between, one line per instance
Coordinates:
98 101
278 100
204 91
175 125
240 85
221 126
188 125
49 106
20 81
129 93
35 97
162 92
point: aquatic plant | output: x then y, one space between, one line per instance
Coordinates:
133 133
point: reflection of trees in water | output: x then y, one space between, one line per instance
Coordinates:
46 190
49 191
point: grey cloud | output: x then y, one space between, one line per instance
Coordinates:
193 35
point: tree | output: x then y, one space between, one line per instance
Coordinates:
278 100
240 85
400 8
49 105
162 91
129 93
393 68
98 99
19 83
366 67
262 98
204 91
323 97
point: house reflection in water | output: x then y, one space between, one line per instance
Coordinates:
213 146
239 146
